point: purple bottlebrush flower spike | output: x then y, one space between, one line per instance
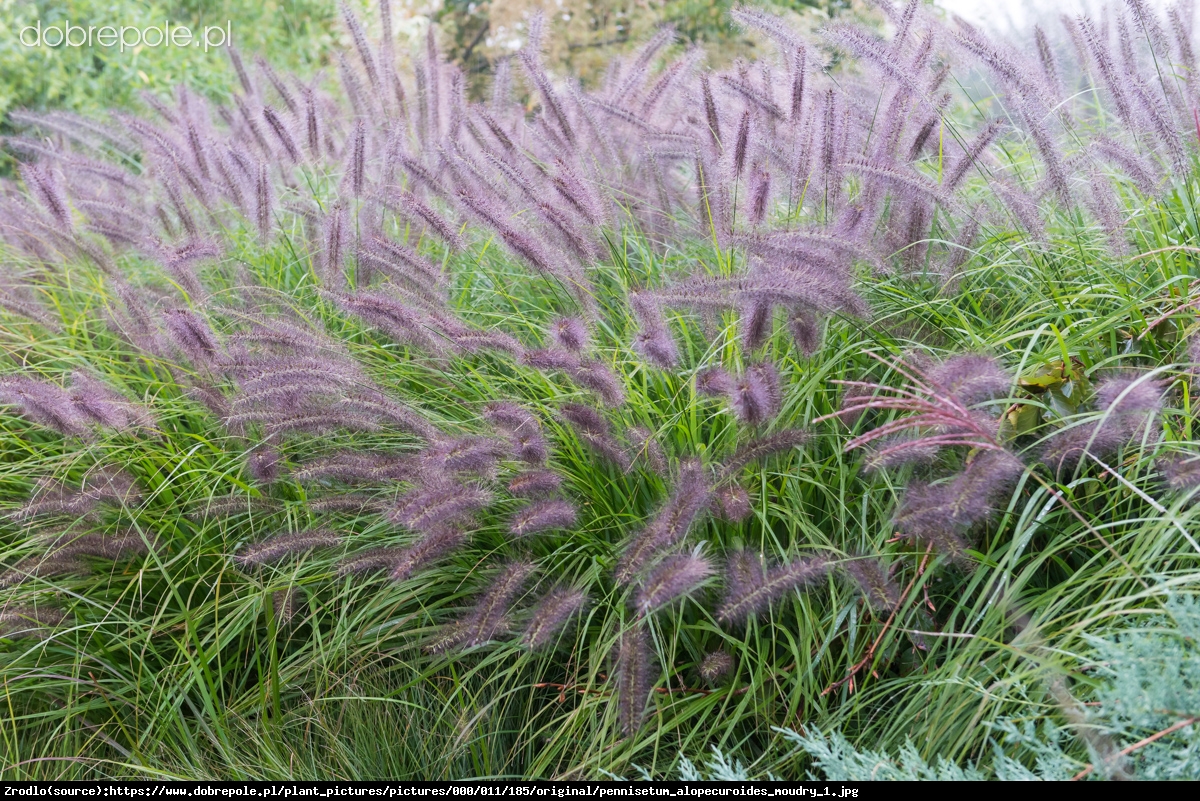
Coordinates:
585 419
29 621
102 486
551 359
439 503
756 324
760 195
633 663
412 207
578 193
263 465
278 84
43 184
635 75
535 483
1147 21
489 619
806 331
44 404
335 241
594 431
1107 208
102 546
419 275
1130 404
312 127
284 545
673 577
644 449
264 201
359 102
542 516
530 446
1129 394
588 373
920 518
749 588
570 333
469 454
671 523
354 503
531 62
551 614
369 561
714 382
772 25
969 379
763 102
599 378
523 430
901 449
285 604
756 395
1049 63
654 340
21 301
710 111
759 449
1021 206
972 154
359 37
1182 472
282 133
193 337
943 419
358 158
1144 174
940 514
872 579
905 181
65 564
239 68
1181 36
231 505
732 503
311 416
435 545
402 321
741 146
281 334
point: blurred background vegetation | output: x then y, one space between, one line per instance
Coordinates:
304 35
296 34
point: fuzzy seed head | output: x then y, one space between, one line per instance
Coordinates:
715 666
551 615
673 577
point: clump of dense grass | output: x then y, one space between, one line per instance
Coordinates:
384 397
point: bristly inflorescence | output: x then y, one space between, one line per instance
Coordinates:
673 577
632 666
671 523
874 582
750 588
552 613
490 617
282 546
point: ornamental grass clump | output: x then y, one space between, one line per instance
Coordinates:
365 378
